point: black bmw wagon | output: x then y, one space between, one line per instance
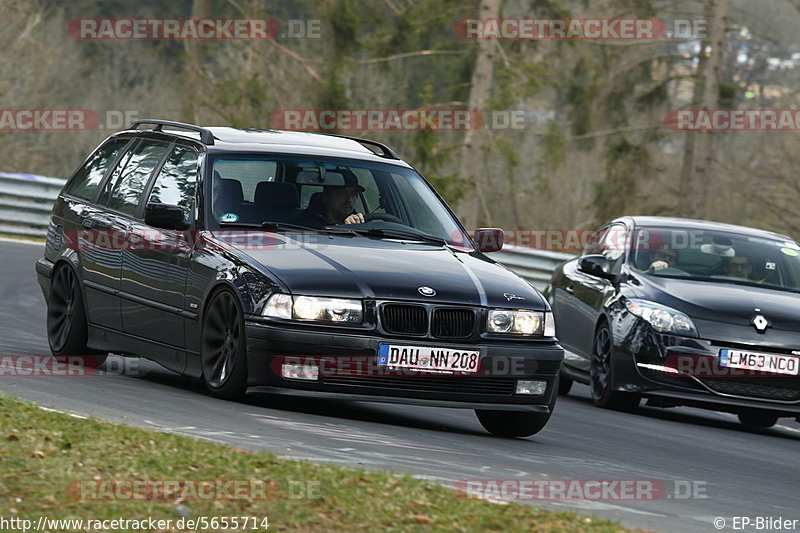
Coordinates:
292 263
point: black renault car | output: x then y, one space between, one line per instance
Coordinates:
683 312
293 263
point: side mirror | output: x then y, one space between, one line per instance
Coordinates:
165 216
489 239
596 265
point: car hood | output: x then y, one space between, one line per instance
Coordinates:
726 303
361 267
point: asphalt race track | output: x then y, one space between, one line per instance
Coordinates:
742 473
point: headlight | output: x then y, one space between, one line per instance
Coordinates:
518 322
663 319
314 308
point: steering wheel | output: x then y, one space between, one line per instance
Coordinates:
386 217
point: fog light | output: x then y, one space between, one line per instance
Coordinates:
298 371
535 388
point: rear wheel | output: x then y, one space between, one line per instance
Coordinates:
512 423
67 329
756 419
602 375
223 352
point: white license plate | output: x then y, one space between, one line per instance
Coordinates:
432 359
763 362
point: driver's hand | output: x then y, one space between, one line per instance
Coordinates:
355 218
659 265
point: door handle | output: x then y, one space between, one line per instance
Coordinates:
570 289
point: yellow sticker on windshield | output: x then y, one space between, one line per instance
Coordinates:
789 251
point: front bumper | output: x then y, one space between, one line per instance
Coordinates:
644 356
492 388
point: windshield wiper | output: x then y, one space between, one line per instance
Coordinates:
400 234
240 224
277 226
285 225
274 226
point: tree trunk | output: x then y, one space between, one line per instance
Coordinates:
471 165
195 58
697 156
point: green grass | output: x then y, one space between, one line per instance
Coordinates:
42 453
22 237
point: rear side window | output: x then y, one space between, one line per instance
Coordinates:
176 181
88 178
130 177
248 172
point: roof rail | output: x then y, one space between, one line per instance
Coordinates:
385 151
205 134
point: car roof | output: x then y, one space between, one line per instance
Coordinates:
692 223
251 140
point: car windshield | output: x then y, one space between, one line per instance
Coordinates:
717 256
383 201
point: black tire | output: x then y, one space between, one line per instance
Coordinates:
512 423
67 328
602 375
564 384
223 347
757 420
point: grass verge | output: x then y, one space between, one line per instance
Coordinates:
48 459
23 238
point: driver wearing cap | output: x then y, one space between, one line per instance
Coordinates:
336 205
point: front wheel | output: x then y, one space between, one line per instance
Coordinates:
602 375
512 423
223 349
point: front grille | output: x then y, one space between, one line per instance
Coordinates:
452 323
456 385
446 323
768 388
405 319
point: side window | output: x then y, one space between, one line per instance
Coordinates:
88 178
247 172
176 181
130 177
368 200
